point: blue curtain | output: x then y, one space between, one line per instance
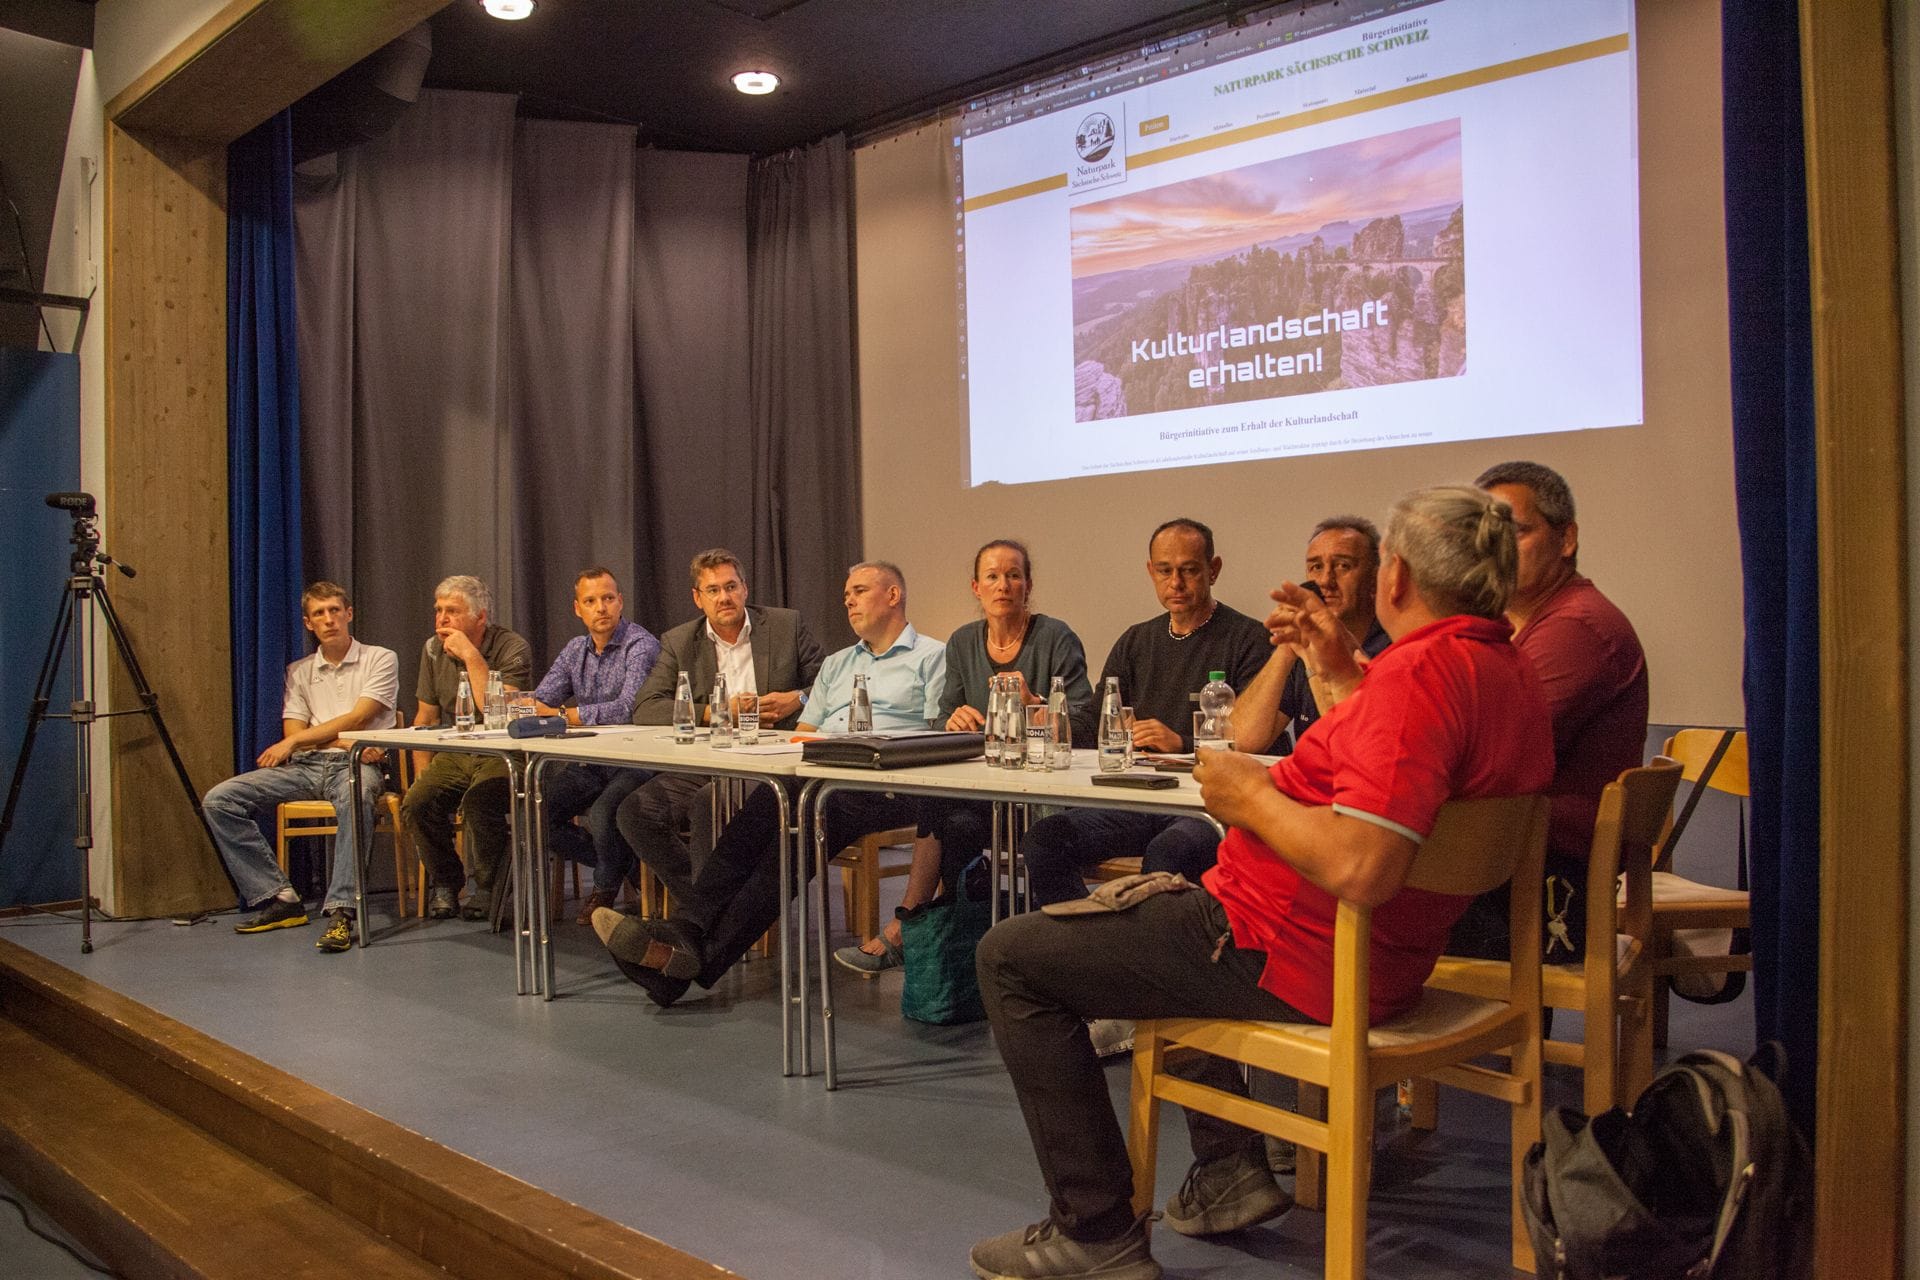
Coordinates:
263 432
1770 315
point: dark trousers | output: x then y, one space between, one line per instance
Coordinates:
1042 976
1059 850
736 896
594 791
651 818
963 828
478 789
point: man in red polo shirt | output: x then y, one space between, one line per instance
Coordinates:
1450 709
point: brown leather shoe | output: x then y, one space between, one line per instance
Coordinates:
594 902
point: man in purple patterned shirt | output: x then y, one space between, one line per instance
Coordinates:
595 680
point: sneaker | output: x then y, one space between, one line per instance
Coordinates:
478 906
277 914
1227 1194
1282 1156
1044 1252
597 899
1111 1036
339 934
868 965
442 903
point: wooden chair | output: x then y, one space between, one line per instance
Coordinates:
299 819
1687 911
1475 846
862 870
1612 988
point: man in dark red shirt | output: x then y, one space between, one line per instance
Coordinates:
1450 709
1594 676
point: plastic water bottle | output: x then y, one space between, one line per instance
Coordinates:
1060 741
720 713
463 707
1216 704
683 716
496 701
860 708
1113 729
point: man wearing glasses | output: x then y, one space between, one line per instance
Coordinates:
763 652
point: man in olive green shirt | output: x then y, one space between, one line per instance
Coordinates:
465 643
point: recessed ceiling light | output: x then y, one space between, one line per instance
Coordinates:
756 82
508 10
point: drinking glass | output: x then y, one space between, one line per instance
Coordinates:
1211 734
1039 721
520 704
746 721
1126 722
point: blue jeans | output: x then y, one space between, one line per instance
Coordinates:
236 807
569 791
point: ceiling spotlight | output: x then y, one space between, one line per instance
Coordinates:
508 10
756 82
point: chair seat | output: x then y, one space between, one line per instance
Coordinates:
306 810
1440 1014
1668 887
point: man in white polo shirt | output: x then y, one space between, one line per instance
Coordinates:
342 687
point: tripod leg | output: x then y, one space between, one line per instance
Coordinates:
37 711
150 702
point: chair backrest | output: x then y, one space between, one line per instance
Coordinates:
1634 811
1694 747
1476 845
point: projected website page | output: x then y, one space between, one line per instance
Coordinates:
1417 228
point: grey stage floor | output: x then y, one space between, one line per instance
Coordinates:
679 1123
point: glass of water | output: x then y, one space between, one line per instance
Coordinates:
1211 734
1039 722
1126 723
746 720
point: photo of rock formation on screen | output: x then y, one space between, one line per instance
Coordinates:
1332 269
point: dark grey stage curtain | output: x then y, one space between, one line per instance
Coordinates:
805 442
690 346
406 453
531 348
571 407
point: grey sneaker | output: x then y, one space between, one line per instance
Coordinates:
478 906
1227 1194
442 903
1044 1252
866 963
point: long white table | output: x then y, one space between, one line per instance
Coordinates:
653 747
969 780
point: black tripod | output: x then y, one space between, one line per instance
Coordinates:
74 620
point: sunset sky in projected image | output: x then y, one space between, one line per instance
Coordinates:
1226 212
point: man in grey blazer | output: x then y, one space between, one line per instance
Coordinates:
767 652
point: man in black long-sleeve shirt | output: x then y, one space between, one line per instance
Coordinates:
1162 663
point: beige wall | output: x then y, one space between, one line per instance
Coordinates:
1656 502
131 35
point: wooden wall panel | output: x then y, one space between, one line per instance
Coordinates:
1861 475
166 505
253 58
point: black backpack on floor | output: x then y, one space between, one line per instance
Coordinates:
1706 1179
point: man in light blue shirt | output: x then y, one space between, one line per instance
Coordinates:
735 897
905 671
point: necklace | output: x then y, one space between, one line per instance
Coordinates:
1010 645
1188 634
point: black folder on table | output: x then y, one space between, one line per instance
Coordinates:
892 750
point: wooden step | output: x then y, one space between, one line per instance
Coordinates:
169 1153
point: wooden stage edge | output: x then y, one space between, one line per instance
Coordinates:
101 1096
